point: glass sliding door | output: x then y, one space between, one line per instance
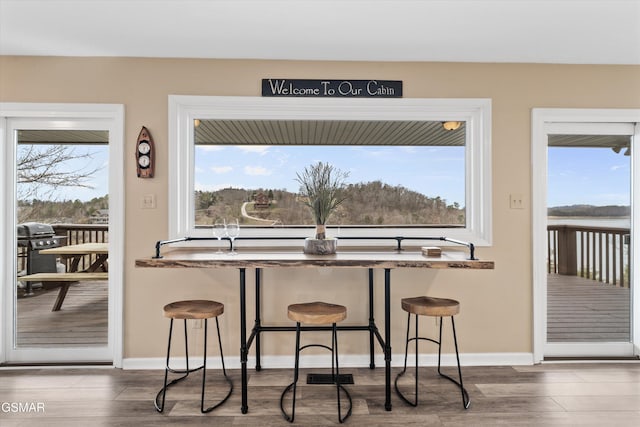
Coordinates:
589 226
589 208
59 301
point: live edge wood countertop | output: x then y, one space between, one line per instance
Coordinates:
252 258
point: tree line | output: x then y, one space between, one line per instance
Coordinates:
372 203
589 210
66 211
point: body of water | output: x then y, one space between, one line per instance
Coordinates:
617 222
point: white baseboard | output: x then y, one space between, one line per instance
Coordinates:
621 349
347 361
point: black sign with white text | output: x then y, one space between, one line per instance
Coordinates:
332 88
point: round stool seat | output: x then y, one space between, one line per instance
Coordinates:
428 306
193 309
317 313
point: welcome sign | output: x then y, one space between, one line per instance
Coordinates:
332 88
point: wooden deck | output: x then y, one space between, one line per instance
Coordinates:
579 310
82 321
583 310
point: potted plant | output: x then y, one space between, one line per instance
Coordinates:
322 188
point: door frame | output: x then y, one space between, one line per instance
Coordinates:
112 117
541 120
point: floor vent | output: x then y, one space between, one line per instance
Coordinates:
328 379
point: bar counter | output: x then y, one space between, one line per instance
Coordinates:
258 259
207 258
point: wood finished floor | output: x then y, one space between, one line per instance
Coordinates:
591 394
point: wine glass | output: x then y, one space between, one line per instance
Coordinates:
219 231
233 231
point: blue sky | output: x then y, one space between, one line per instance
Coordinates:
432 171
595 176
99 181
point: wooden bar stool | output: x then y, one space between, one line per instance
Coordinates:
433 307
317 313
192 309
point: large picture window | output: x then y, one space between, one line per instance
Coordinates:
415 167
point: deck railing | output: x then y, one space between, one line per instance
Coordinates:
83 233
75 234
597 253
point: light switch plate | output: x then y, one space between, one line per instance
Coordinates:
516 201
148 201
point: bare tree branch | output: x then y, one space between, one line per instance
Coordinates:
41 169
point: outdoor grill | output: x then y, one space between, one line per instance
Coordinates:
32 237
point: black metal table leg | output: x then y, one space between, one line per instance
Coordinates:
372 322
258 320
387 338
243 339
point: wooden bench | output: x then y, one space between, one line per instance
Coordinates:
65 280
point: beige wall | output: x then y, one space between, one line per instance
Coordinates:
496 305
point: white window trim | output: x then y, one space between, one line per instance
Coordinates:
475 112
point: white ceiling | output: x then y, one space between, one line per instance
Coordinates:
537 31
